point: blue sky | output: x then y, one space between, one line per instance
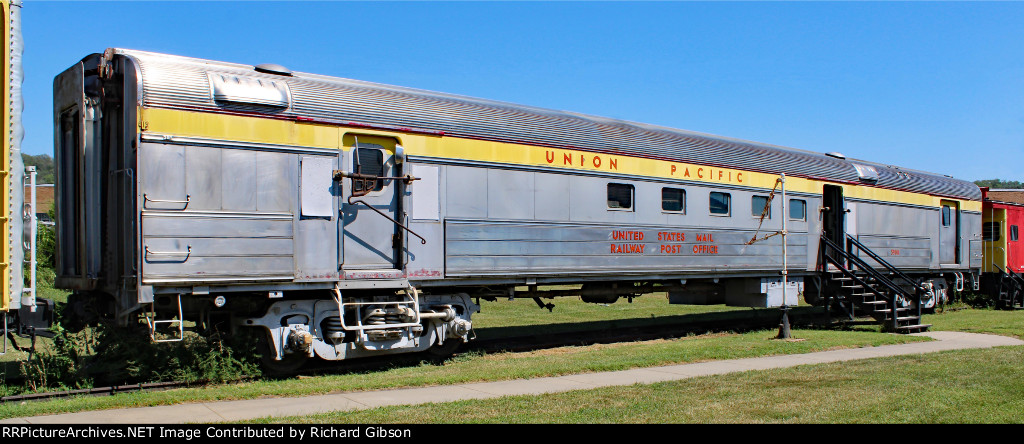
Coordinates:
932 86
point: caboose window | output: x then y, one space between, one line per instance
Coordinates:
370 161
720 203
759 205
673 199
1013 232
990 231
945 216
797 209
620 196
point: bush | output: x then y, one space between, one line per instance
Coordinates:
125 356
974 299
116 356
46 246
60 366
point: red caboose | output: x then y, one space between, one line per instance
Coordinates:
1002 216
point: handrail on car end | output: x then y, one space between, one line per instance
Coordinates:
146 199
147 252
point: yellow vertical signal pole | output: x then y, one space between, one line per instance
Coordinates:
5 162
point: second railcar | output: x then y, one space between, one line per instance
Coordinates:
1002 274
348 218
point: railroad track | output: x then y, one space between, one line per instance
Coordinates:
756 320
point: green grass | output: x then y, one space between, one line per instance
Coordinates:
482 367
490 367
44 287
971 386
978 320
11 361
504 318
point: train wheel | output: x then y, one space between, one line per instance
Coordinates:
444 351
291 362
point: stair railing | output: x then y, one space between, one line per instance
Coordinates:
854 242
1012 282
918 290
848 257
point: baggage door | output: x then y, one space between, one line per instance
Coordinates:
949 232
834 215
370 241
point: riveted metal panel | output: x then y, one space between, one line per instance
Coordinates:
189 246
204 176
551 196
509 194
239 189
977 256
900 252
276 181
467 192
216 225
490 248
162 174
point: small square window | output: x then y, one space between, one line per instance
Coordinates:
673 199
797 209
370 161
1013 232
720 203
945 216
759 205
620 196
990 231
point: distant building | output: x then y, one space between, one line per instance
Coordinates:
44 200
1006 195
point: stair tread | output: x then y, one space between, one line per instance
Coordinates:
889 310
898 317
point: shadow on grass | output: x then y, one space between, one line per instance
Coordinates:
713 322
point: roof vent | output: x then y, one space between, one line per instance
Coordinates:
836 154
866 173
250 90
273 68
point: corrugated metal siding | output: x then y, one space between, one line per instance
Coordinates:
179 82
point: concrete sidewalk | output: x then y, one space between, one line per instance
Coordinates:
259 408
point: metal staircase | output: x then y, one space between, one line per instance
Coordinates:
857 288
1010 291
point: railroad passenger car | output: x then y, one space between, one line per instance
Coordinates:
348 218
22 312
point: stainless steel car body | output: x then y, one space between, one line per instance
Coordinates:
224 207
